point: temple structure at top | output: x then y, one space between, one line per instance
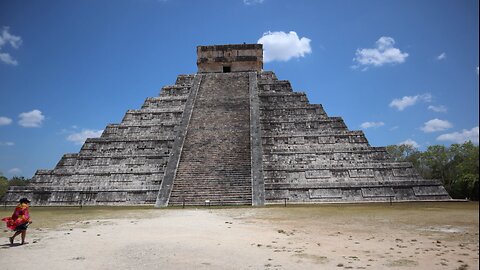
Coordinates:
230 58
231 134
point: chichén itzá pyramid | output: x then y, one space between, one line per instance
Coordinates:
231 134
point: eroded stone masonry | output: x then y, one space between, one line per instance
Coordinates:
231 134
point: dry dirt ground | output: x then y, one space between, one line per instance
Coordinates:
365 236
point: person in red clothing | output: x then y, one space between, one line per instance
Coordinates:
19 220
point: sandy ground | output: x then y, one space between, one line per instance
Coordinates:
408 236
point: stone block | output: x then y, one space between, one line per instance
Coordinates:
318 174
325 193
429 191
378 192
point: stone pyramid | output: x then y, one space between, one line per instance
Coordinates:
231 134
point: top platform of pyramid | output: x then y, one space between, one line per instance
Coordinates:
230 58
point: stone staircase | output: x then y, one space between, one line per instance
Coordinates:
215 160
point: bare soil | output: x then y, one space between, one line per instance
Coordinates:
362 236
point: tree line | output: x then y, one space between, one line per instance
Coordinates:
14 181
456 166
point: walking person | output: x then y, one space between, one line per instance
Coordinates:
19 220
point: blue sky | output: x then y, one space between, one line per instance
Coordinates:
402 71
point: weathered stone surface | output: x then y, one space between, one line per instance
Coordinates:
171 168
312 157
124 166
215 160
230 58
227 136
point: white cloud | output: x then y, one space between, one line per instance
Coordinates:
477 70
31 119
439 108
8 39
383 53
80 137
7 143
442 56
7 59
281 46
252 2
408 101
436 125
366 125
15 171
5 121
409 142
461 137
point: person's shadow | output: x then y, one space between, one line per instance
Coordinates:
5 246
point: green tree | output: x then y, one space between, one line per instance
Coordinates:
401 152
18 181
3 185
456 166
465 167
407 153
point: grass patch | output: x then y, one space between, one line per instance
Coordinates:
52 217
417 213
